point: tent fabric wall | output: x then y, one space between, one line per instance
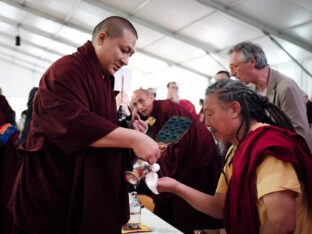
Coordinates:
173 44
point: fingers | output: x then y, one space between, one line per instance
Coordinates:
158 153
135 125
154 158
143 127
135 115
140 126
145 147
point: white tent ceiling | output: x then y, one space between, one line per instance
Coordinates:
188 37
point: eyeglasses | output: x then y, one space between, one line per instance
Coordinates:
234 66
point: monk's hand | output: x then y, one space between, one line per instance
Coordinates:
140 125
166 184
135 115
146 148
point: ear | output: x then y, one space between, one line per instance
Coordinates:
253 62
101 37
235 109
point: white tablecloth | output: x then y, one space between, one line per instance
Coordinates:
156 224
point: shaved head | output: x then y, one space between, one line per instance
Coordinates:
140 92
114 27
142 101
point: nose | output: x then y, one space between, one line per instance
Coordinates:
125 60
207 122
233 71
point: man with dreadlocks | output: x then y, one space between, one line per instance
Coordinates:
266 184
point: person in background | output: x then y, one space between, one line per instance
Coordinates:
173 95
192 160
265 186
8 162
123 107
25 130
249 64
222 75
71 179
201 115
20 123
152 92
309 109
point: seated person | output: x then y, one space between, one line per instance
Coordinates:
265 186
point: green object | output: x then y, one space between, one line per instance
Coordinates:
173 129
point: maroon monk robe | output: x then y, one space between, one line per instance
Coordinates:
8 167
189 107
8 114
65 186
240 211
192 161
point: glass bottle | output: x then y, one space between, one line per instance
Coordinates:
121 113
135 211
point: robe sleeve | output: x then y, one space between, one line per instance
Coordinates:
192 154
65 110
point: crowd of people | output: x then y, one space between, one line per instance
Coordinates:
243 164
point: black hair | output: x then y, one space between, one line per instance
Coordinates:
172 82
224 72
253 105
114 27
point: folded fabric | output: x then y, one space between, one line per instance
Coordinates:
6 131
151 178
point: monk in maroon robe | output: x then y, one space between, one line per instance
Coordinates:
193 160
8 165
71 180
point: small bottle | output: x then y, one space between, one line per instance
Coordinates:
121 113
135 211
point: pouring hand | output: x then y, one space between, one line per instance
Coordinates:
146 148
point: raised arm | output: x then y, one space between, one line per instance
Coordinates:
211 205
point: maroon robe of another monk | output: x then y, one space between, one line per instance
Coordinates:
8 167
65 186
189 106
240 210
193 160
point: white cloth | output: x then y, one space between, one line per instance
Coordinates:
151 178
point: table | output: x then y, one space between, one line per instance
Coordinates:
156 224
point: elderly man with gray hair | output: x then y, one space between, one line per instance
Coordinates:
249 64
